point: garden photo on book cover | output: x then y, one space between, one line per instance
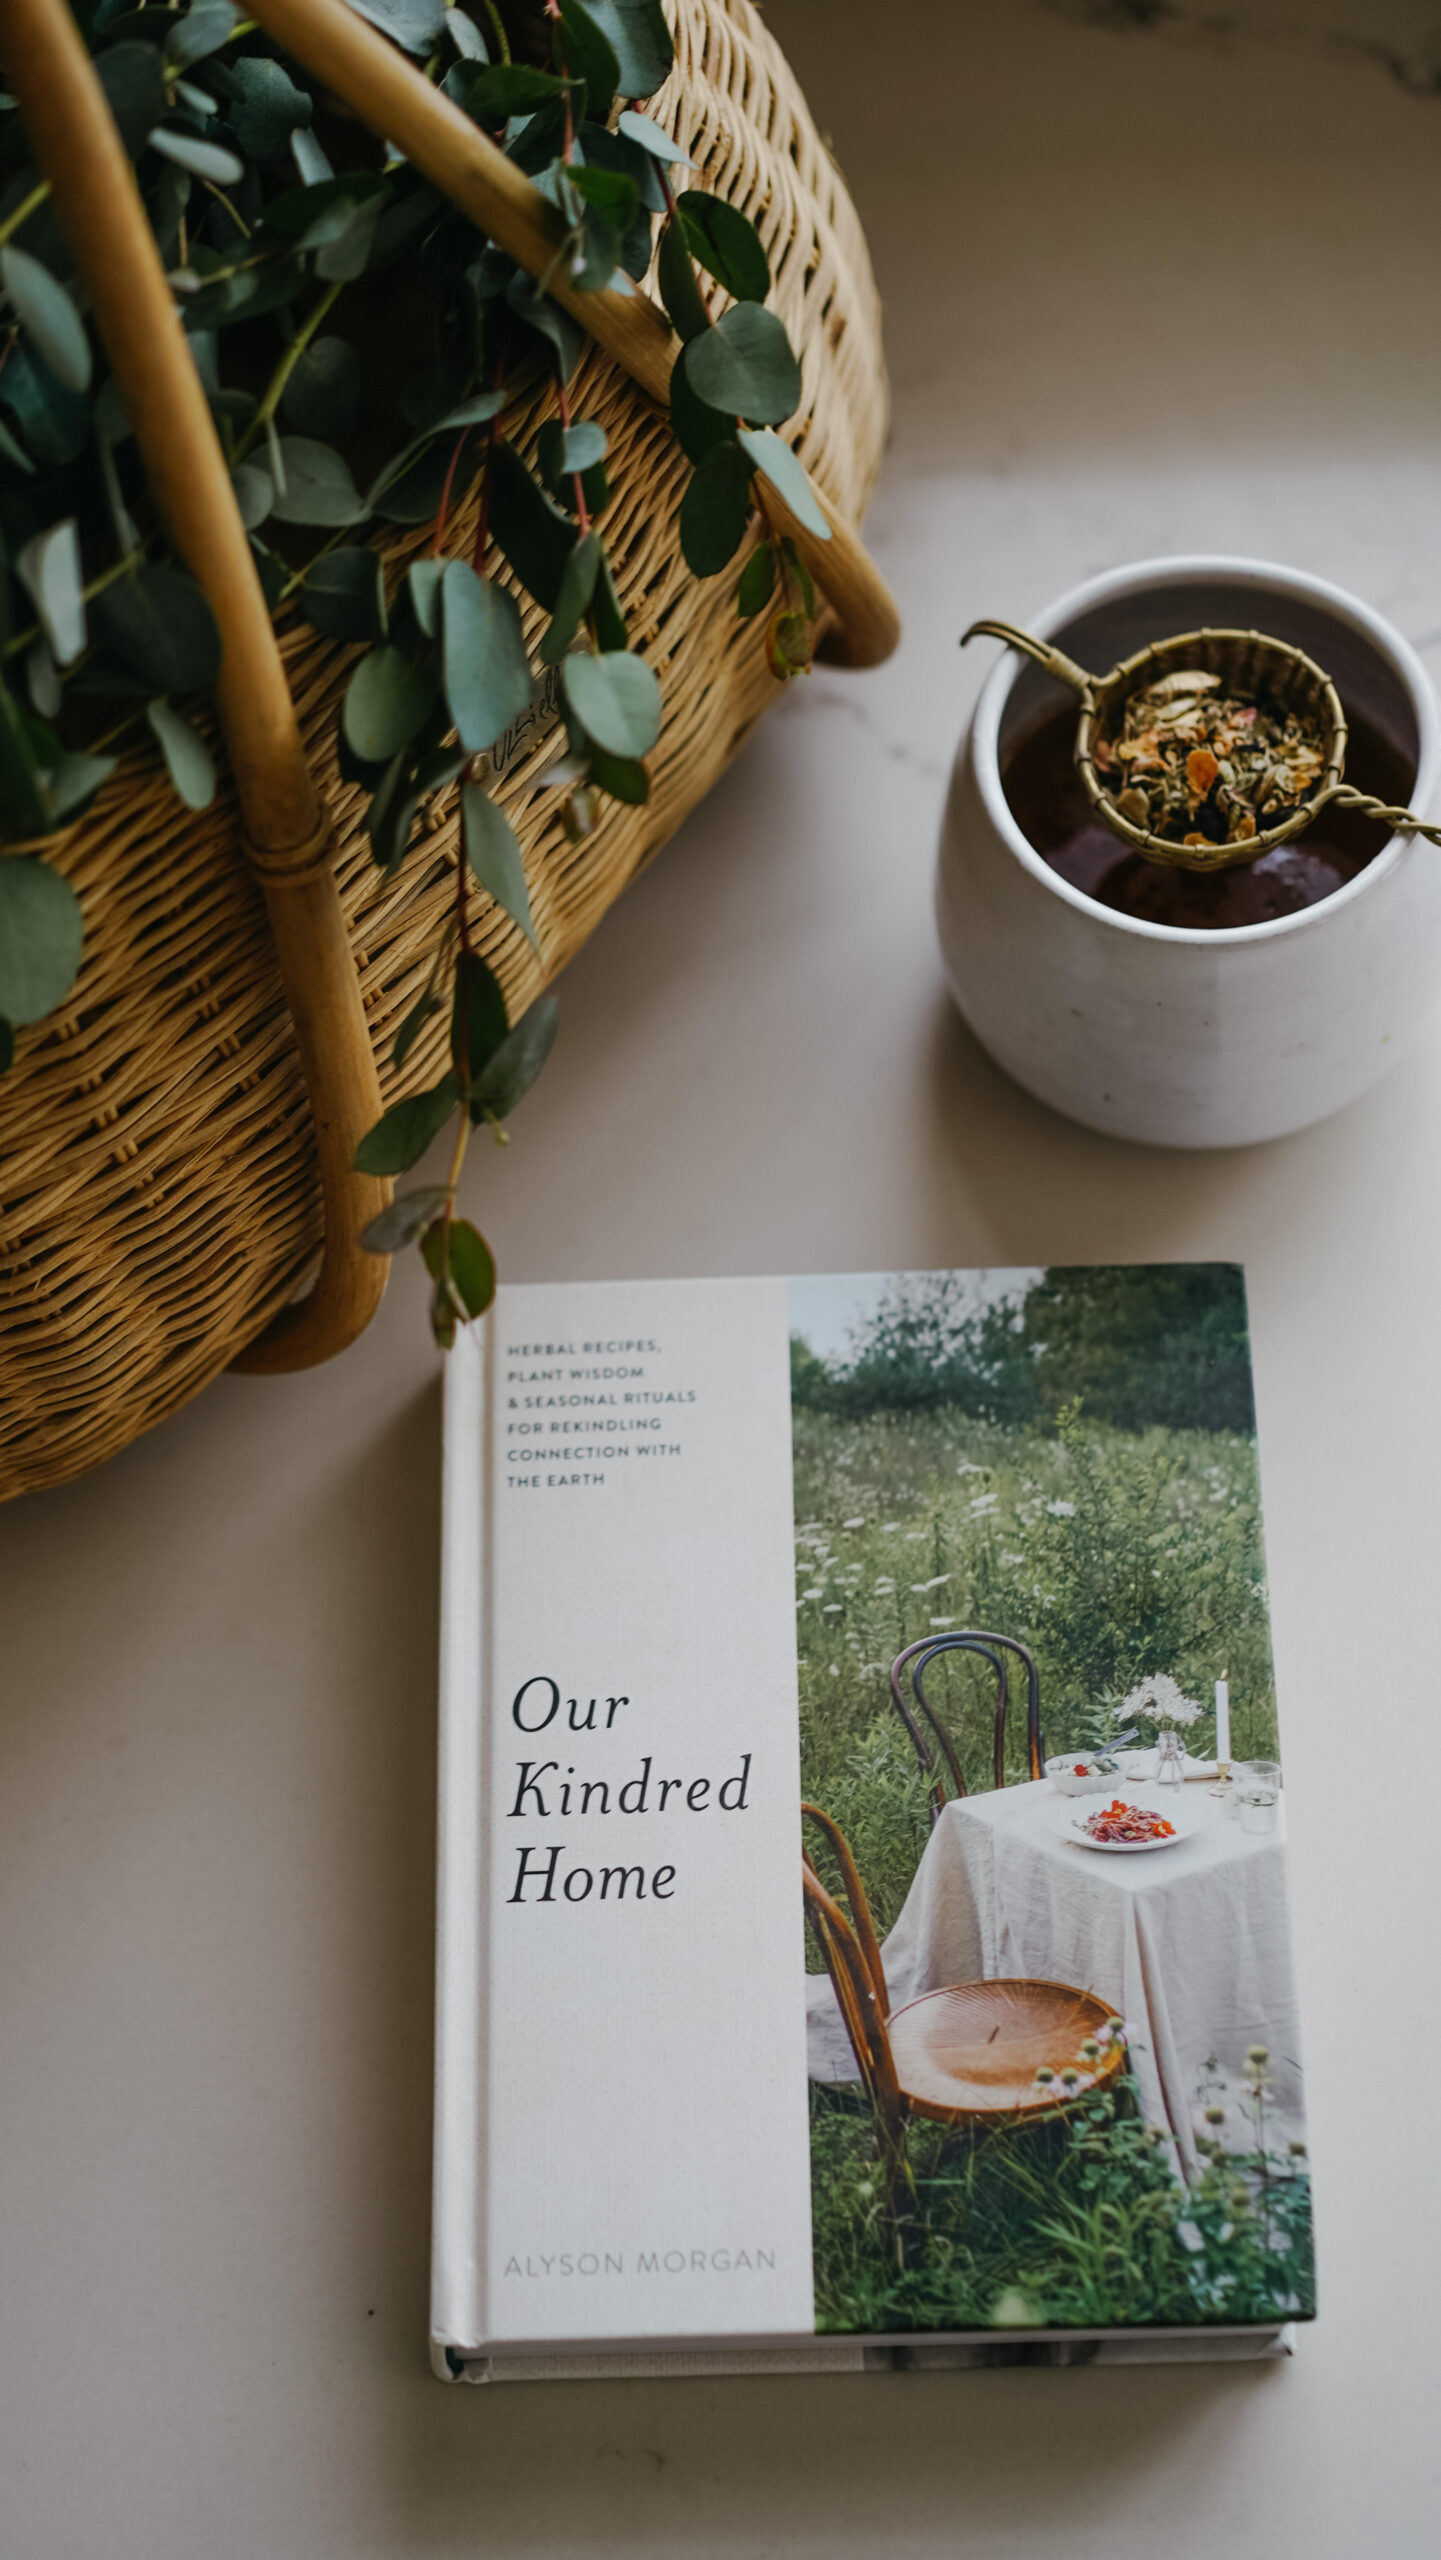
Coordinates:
1052 2035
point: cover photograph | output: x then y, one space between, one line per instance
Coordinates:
863 1931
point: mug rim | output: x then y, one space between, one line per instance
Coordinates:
1134 578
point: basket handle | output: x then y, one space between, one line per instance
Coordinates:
396 100
285 830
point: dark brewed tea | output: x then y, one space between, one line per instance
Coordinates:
1049 805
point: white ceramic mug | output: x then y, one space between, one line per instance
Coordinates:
1158 1032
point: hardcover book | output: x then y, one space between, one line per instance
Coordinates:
863 1936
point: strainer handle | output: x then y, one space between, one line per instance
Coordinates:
1055 661
1401 821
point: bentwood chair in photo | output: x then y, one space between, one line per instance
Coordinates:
936 1751
974 2055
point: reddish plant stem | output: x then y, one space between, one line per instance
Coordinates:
582 511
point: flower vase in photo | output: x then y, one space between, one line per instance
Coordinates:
1170 1758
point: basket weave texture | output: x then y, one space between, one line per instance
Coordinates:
158 1192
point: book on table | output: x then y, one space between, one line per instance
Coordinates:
863 1937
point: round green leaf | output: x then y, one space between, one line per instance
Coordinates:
322 396
190 763
133 79
157 628
48 316
787 473
651 138
40 937
757 581
254 493
727 245
716 509
412 24
202 159
386 701
404 1220
517 1062
343 594
745 366
402 1134
492 848
318 486
640 40
49 565
486 673
616 699
472 1267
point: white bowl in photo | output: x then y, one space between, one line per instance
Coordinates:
1073 1777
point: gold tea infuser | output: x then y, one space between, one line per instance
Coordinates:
1170 684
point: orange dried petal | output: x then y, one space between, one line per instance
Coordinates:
1201 771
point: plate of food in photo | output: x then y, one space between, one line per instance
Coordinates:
1124 1829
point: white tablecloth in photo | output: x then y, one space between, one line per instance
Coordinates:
1189 1944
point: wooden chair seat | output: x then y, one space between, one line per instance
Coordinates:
972 2051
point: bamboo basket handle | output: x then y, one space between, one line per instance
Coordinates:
286 832
394 99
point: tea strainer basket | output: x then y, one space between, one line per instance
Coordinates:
1246 664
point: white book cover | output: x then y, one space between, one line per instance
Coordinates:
722 2084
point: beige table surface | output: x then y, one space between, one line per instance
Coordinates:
218 1654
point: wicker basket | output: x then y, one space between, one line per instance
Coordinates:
164 1194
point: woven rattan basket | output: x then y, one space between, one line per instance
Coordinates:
175 1144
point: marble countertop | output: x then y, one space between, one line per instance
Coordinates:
1150 285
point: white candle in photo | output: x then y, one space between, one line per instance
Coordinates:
1223 1720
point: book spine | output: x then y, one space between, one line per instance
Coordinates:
458 2252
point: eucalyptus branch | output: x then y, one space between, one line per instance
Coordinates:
16 221
275 389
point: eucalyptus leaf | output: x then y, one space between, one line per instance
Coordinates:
517 1062
75 779
49 569
423 579
591 57
412 24
42 680
346 254
265 106
318 486
538 312
202 159
679 291
14 453
757 581
343 595
620 776
472 1266
426 1006
645 131
48 316
392 813
616 699
465 35
696 426
133 79
254 493
746 365
309 157
577 586
203 30
493 92
402 1134
322 395
716 509
406 1218
641 41
492 848
787 473
536 538
726 243
41 930
190 763
486 673
156 626
413 495
479 1023
386 701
